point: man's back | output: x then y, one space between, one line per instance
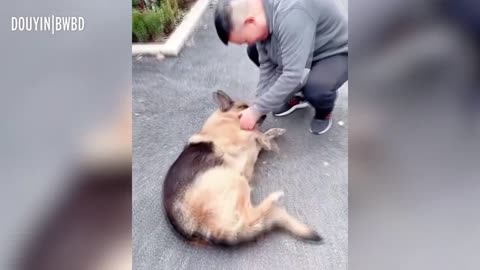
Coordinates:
331 30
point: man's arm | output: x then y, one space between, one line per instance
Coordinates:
268 73
296 33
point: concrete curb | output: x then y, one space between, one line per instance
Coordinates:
177 40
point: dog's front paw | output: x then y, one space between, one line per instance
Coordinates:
274 147
275 132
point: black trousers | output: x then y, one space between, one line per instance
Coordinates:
326 76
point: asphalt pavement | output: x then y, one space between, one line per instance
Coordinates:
171 100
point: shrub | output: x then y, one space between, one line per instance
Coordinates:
154 22
182 4
139 29
174 6
153 17
168 15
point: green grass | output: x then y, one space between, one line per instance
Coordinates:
156 19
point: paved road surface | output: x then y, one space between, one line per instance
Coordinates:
171 99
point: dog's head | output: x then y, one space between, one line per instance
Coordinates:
227 105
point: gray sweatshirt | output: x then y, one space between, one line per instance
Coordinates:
301 31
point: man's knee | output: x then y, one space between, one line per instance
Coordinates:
253 54
320 92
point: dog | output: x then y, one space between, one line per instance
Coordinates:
206 192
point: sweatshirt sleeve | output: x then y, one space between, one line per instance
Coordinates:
268 74
296 35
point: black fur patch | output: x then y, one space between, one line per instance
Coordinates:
194 159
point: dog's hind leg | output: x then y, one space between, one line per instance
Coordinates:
261 210
279 218
251 214
267 216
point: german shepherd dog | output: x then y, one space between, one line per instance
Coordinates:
206 192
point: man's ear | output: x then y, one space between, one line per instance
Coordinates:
223 101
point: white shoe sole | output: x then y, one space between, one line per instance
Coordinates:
323 131
292 109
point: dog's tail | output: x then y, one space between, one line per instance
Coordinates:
276 218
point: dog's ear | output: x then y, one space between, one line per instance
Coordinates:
223 101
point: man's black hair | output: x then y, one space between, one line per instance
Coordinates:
223 20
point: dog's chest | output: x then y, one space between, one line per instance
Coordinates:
242 159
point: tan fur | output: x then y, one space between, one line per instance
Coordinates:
218 203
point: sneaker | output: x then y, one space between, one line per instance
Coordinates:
320 126
296 102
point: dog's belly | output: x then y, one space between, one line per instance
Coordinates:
212 202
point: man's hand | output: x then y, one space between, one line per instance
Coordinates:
249 118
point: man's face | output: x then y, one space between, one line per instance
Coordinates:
248 33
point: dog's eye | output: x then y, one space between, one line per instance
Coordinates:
243 106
